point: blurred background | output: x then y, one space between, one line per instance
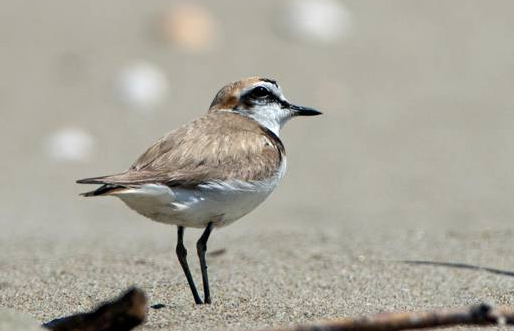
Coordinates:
416 136
417 97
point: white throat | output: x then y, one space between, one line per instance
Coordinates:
271 117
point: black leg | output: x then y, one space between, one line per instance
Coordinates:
201 248
182 258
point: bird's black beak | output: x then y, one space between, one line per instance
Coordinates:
304 111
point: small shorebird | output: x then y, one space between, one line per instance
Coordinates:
213 170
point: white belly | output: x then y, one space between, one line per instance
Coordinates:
219 202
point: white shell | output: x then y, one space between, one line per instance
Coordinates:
317 21
70 144
142 86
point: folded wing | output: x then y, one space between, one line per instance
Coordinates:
216 147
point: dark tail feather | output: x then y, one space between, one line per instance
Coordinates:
104 189
93 180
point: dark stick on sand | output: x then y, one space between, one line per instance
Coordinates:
124 313
482 314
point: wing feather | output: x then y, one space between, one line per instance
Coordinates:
216 147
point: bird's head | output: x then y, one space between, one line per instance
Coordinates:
260 99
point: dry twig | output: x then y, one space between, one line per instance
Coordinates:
482 314
122 314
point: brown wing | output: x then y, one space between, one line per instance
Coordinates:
217 146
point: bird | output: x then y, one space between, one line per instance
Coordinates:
211 171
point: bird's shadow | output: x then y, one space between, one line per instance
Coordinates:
460 266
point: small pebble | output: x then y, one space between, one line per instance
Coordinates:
70 144
142 86
317 21
191 27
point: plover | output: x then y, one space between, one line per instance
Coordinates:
212 171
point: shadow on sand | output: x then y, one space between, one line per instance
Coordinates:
461 266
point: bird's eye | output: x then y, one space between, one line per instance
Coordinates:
260 92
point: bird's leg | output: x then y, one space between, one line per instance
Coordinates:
182 258
201 248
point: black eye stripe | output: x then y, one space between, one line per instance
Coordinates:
248 99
